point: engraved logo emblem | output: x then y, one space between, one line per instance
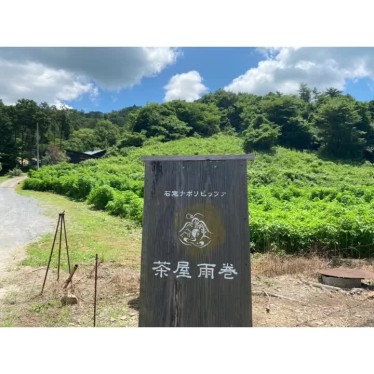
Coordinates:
195 231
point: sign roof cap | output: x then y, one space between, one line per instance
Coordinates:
198 158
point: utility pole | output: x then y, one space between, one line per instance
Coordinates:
37 145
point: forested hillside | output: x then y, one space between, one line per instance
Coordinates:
336 125
311 186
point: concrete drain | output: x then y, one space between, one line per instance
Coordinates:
344 278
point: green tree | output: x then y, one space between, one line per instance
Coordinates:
202 119
287 111
148 120
261 135
342 128
161 121
106 134
121 117
82 140
244 111
370 106
305 93
296 134
226 103
54 155
333 92
78 119
26 117
8 141
131 140
64 124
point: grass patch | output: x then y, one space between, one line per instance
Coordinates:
88 231
274 264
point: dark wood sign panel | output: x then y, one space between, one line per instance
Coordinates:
195 267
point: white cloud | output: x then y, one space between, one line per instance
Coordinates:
57 74
186 86
284 69
35 81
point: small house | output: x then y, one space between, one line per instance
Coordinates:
76 157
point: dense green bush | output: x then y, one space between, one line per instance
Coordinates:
82 187
100 196
16 172
131 140
126 204
261 135
32 184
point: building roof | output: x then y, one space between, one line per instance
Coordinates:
92 153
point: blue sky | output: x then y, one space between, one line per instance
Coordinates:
105 79
216 66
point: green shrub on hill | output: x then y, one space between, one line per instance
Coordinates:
100 196
297 202
126 204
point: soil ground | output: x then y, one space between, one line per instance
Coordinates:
310 305
284 300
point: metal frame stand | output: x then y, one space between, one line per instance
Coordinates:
62 228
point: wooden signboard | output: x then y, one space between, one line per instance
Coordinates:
195 266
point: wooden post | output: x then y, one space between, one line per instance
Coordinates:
67 246
195 266
59 247
51 253
95 295
70 276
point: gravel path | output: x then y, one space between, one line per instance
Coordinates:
21 222
21 218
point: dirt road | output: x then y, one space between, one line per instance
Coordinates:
21 220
